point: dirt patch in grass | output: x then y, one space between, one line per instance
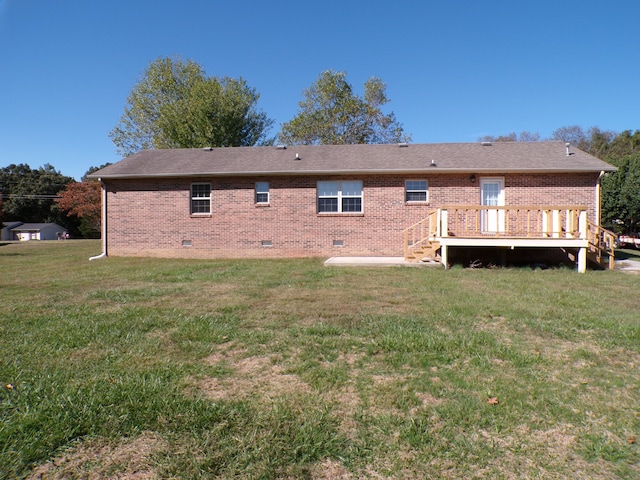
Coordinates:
426 400
330 470
255 376
98 458
550 450
346 403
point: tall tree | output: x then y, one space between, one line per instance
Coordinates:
175 105
331 113
82 203
624 144
512 137
28 194
593 140
621 195
573 134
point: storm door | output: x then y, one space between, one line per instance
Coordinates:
492 195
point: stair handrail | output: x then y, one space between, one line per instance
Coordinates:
601 241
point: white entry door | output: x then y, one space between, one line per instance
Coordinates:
492 195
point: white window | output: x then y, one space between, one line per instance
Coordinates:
416 191
340 197
262 192
200 198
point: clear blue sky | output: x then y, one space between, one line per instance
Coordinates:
455 69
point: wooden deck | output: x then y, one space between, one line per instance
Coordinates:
564 227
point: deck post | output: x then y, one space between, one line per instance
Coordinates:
444 232
582 260
444 256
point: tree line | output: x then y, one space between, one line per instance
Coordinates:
176 105
45 195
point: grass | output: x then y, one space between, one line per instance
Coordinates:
157 368
628 254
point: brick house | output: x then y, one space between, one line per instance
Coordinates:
427 202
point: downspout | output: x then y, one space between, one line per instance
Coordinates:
104 223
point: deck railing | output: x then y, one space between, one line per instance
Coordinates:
513 222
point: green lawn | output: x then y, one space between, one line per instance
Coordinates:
156 368
628 254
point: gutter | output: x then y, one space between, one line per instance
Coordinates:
104 223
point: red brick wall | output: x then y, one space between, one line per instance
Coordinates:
151 217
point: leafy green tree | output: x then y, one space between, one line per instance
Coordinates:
624 144
621 195
331 114
175 105
28 195
91 170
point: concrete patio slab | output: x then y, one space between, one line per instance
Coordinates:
628 265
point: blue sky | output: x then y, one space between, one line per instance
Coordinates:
455 69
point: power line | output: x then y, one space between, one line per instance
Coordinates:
30 197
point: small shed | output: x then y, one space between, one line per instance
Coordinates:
38 231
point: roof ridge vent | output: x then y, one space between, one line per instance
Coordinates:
208 149
403 144
281 147
486 144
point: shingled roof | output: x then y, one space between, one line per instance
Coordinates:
499 157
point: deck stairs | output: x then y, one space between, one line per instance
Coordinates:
420 240
425 252
601 251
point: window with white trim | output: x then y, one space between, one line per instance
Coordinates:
340 196
416 191
262 192
200 198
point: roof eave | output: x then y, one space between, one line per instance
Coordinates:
428 170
